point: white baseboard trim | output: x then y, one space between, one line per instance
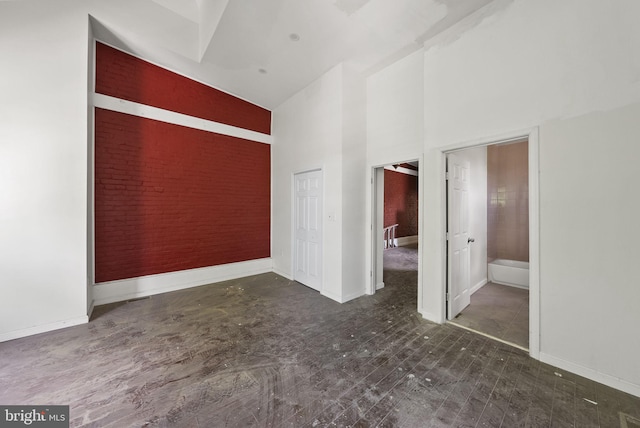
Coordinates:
509 284
352 296
91 307
594 375
330 295
339 298
283 274
430 317
407 240
133 288
17 334
379 285
479 285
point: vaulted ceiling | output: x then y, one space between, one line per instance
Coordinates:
267 50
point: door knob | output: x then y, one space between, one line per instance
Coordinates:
470 240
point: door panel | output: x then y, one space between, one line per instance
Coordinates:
308 229
458 275
313 268
300 256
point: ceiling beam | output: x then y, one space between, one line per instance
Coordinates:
211 12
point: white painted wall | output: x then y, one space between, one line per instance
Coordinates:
307 132
395 112
323 126
571 68
589 243
43 167
354 186
395 129
531 62
477 158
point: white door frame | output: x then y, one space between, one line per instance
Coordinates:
532 136
377 220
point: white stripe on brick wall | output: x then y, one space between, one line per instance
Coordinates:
141 110
402 170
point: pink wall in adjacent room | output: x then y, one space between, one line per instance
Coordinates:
508 202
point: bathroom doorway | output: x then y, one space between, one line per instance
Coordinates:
488 240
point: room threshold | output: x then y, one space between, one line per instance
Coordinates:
515 345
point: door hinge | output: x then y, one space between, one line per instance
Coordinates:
447 297
446 175
447 237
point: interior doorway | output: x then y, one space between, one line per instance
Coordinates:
487 192
395 225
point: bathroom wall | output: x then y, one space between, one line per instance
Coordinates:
508 202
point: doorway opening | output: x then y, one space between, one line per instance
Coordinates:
488 240
395 228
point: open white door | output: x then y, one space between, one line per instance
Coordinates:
458 265
308 229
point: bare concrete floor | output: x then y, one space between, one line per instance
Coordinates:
499 311
267 352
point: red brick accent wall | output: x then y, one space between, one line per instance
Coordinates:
169 198
401 202
129 78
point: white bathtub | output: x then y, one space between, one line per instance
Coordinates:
509 272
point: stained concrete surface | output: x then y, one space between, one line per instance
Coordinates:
268 352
